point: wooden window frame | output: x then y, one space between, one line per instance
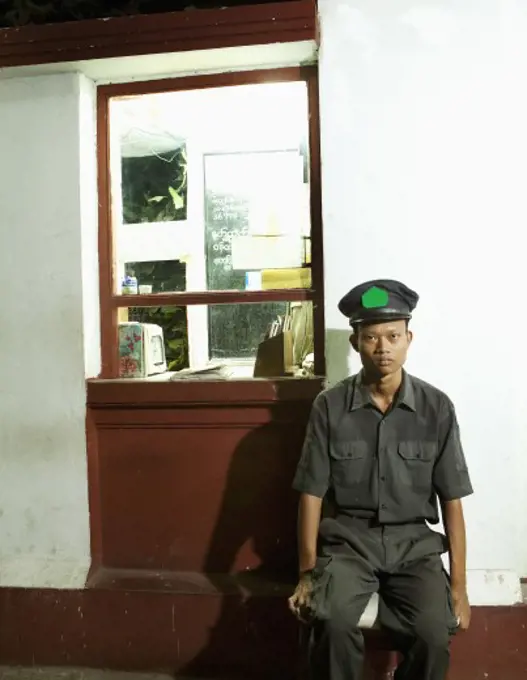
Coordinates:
110 302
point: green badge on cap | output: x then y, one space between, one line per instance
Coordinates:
374 297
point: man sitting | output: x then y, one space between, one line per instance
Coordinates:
384 446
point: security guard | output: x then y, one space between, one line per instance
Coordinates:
384 448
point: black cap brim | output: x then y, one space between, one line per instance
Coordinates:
379 316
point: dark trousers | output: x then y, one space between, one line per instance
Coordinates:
402 563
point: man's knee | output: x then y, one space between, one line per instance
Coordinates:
342 621
433 634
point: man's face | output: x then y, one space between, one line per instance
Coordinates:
382 346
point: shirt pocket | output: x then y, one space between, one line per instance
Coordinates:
348 462
416 464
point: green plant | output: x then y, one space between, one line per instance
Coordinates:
173 321
155 187
155 190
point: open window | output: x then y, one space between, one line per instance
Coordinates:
210 227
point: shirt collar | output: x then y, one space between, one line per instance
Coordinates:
360 395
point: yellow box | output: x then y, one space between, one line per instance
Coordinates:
273 279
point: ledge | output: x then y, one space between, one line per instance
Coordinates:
190 582
246 583
139 394
159 33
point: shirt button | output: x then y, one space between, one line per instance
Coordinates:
383 506
383 479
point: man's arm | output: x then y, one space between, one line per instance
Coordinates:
312 481
457 549
451 479
309 511
452 482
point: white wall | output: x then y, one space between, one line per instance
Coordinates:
424 141
424 148
49 315
49 326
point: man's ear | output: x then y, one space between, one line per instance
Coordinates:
410 336
354 341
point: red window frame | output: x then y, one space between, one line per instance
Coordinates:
110 302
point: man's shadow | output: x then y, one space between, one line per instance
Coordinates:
252 557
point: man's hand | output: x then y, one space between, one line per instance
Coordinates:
457 549
461 607
300 600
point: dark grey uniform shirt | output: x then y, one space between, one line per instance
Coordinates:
391 467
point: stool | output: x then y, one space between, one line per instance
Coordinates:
380 659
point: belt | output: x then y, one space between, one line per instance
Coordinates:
373 522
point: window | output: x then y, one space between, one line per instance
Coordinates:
210 229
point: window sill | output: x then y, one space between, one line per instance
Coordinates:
147 393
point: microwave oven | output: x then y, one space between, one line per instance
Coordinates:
141 350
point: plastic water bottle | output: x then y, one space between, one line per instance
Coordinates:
129 285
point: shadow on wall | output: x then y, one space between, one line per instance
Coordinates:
338 354
255 635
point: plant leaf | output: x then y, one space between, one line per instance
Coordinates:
176 344
176 199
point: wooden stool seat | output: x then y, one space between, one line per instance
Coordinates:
370 618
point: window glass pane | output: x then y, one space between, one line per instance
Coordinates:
226 341
236 330
157 276
214 181
253 228
155 186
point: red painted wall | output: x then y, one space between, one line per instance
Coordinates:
202 485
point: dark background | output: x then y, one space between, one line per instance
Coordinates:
23 12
